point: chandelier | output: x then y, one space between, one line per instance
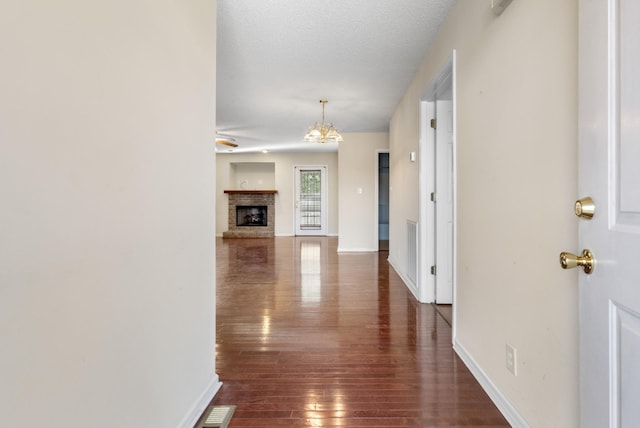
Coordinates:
323 132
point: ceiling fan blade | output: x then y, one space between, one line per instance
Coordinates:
226 142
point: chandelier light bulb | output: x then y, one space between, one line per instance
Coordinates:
323 132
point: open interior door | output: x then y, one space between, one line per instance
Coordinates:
609 173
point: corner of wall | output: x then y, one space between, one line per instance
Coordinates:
201 404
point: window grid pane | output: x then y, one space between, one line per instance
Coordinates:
310 200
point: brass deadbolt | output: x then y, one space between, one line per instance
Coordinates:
585 208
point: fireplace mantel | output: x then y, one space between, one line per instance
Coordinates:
251 192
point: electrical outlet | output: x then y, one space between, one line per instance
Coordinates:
512 362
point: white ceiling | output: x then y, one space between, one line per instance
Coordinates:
278 58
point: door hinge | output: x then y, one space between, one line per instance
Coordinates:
433 196
433 270
434 123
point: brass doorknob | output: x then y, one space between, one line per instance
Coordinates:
586 261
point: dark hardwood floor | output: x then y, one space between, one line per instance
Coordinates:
446 312
307 337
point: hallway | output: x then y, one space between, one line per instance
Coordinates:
307 337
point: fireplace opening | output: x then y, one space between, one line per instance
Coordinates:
251 215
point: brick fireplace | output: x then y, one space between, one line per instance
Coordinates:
249 210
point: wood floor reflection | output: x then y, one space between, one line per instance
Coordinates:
307 337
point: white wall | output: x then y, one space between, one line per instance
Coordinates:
253 176
283 182
357 158
107 116
516 183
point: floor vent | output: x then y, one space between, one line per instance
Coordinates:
218 417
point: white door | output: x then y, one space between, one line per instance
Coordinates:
437 190
310 200
609 172
444 200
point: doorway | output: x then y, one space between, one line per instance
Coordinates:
383 200
436 272
311 200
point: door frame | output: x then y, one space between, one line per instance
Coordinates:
446 79
324 206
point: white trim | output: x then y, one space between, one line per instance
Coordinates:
507 409
613 123
407 282
196 411
292 234
614 365
426 284
426 281
454 184
357 250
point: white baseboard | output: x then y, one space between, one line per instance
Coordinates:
510 413
407 282
293 234
192 416
357 250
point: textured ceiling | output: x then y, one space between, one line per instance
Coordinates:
278 58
